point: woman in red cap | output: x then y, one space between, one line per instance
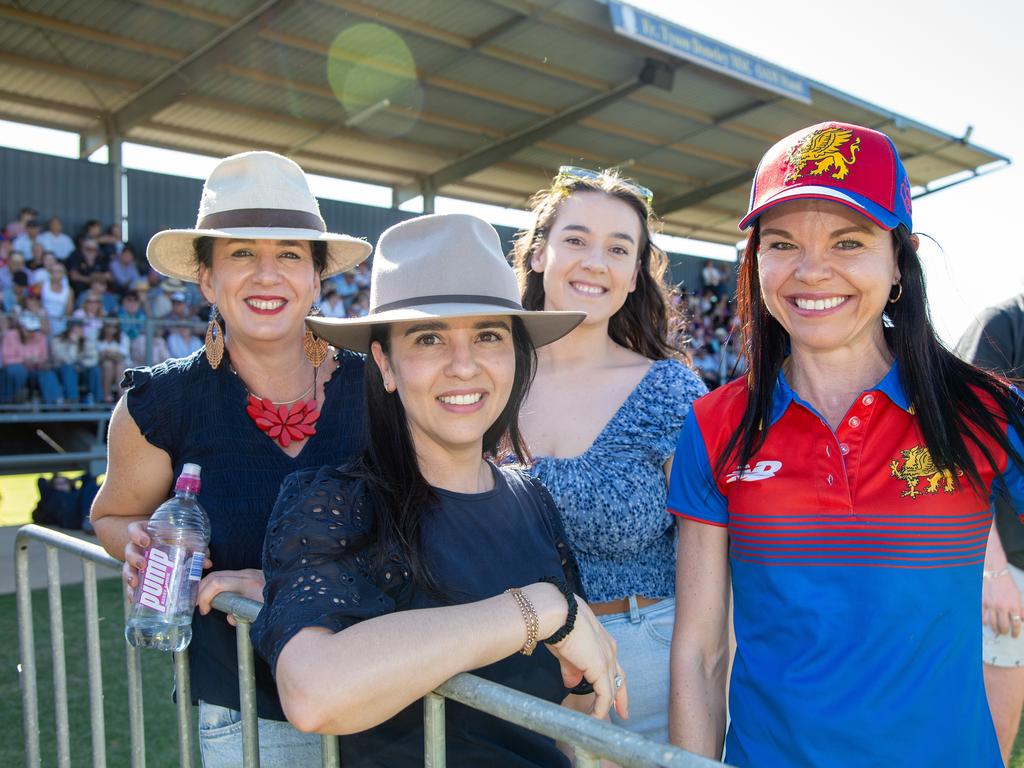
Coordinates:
843 487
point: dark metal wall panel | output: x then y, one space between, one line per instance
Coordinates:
360 220
74 190
685 272
77 190
157 201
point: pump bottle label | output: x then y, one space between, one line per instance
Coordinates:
159 578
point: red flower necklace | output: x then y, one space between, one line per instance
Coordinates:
282 424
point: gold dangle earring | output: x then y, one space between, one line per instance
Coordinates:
899 293
314 347
214 339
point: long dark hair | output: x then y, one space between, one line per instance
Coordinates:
643 323
399 494
946 393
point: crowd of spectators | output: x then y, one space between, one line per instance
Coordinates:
713 337
75 312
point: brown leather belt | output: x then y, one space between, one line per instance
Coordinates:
621 605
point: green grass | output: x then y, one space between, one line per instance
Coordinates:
157 675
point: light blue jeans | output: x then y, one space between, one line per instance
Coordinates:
281 746
644 637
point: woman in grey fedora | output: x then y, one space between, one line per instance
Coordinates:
422 559
258 252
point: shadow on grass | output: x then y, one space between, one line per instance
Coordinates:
157 676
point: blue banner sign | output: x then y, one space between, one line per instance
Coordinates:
679 41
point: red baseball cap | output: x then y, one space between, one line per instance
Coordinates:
849 164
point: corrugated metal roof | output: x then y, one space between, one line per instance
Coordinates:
443 84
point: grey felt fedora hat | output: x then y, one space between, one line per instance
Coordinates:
254 196
445 265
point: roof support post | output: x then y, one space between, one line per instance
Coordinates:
653 73
115 160
429 196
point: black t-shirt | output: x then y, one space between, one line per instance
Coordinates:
76 263
322 532
995 341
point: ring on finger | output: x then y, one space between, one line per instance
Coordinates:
1015 619
618 681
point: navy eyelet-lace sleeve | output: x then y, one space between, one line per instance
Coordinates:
321 563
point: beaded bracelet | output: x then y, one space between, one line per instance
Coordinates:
529 616
570 616
995 574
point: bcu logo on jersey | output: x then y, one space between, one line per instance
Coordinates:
760 471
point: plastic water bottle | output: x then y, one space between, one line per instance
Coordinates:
179 537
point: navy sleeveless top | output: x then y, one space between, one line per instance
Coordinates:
196 414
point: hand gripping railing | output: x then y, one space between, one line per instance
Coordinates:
591 739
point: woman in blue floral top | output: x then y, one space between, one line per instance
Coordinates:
604 412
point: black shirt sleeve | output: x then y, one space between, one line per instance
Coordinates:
994 342
154 402
553 524
319 560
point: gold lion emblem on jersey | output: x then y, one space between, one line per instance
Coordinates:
918 466
824 149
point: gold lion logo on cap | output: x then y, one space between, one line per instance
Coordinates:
824 148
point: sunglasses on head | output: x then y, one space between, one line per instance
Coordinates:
571 172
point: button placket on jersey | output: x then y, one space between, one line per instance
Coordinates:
836 481
850 437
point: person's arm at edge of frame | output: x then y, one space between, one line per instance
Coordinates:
700 643
138 479
1000 598
349 681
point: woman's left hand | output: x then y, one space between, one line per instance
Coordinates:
589 653
247 583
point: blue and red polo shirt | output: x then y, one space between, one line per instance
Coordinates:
856 570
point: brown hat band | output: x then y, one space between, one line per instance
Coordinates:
447 298
271 218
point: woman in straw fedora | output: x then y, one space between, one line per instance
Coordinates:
262 399
425 559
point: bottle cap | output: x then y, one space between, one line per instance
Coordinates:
188 480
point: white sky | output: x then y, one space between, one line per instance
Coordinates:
946 63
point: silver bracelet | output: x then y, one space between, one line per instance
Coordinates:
987 575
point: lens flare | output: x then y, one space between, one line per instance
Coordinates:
373 75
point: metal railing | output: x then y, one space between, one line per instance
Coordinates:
591 739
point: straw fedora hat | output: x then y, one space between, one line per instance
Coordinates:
254 196
445 265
